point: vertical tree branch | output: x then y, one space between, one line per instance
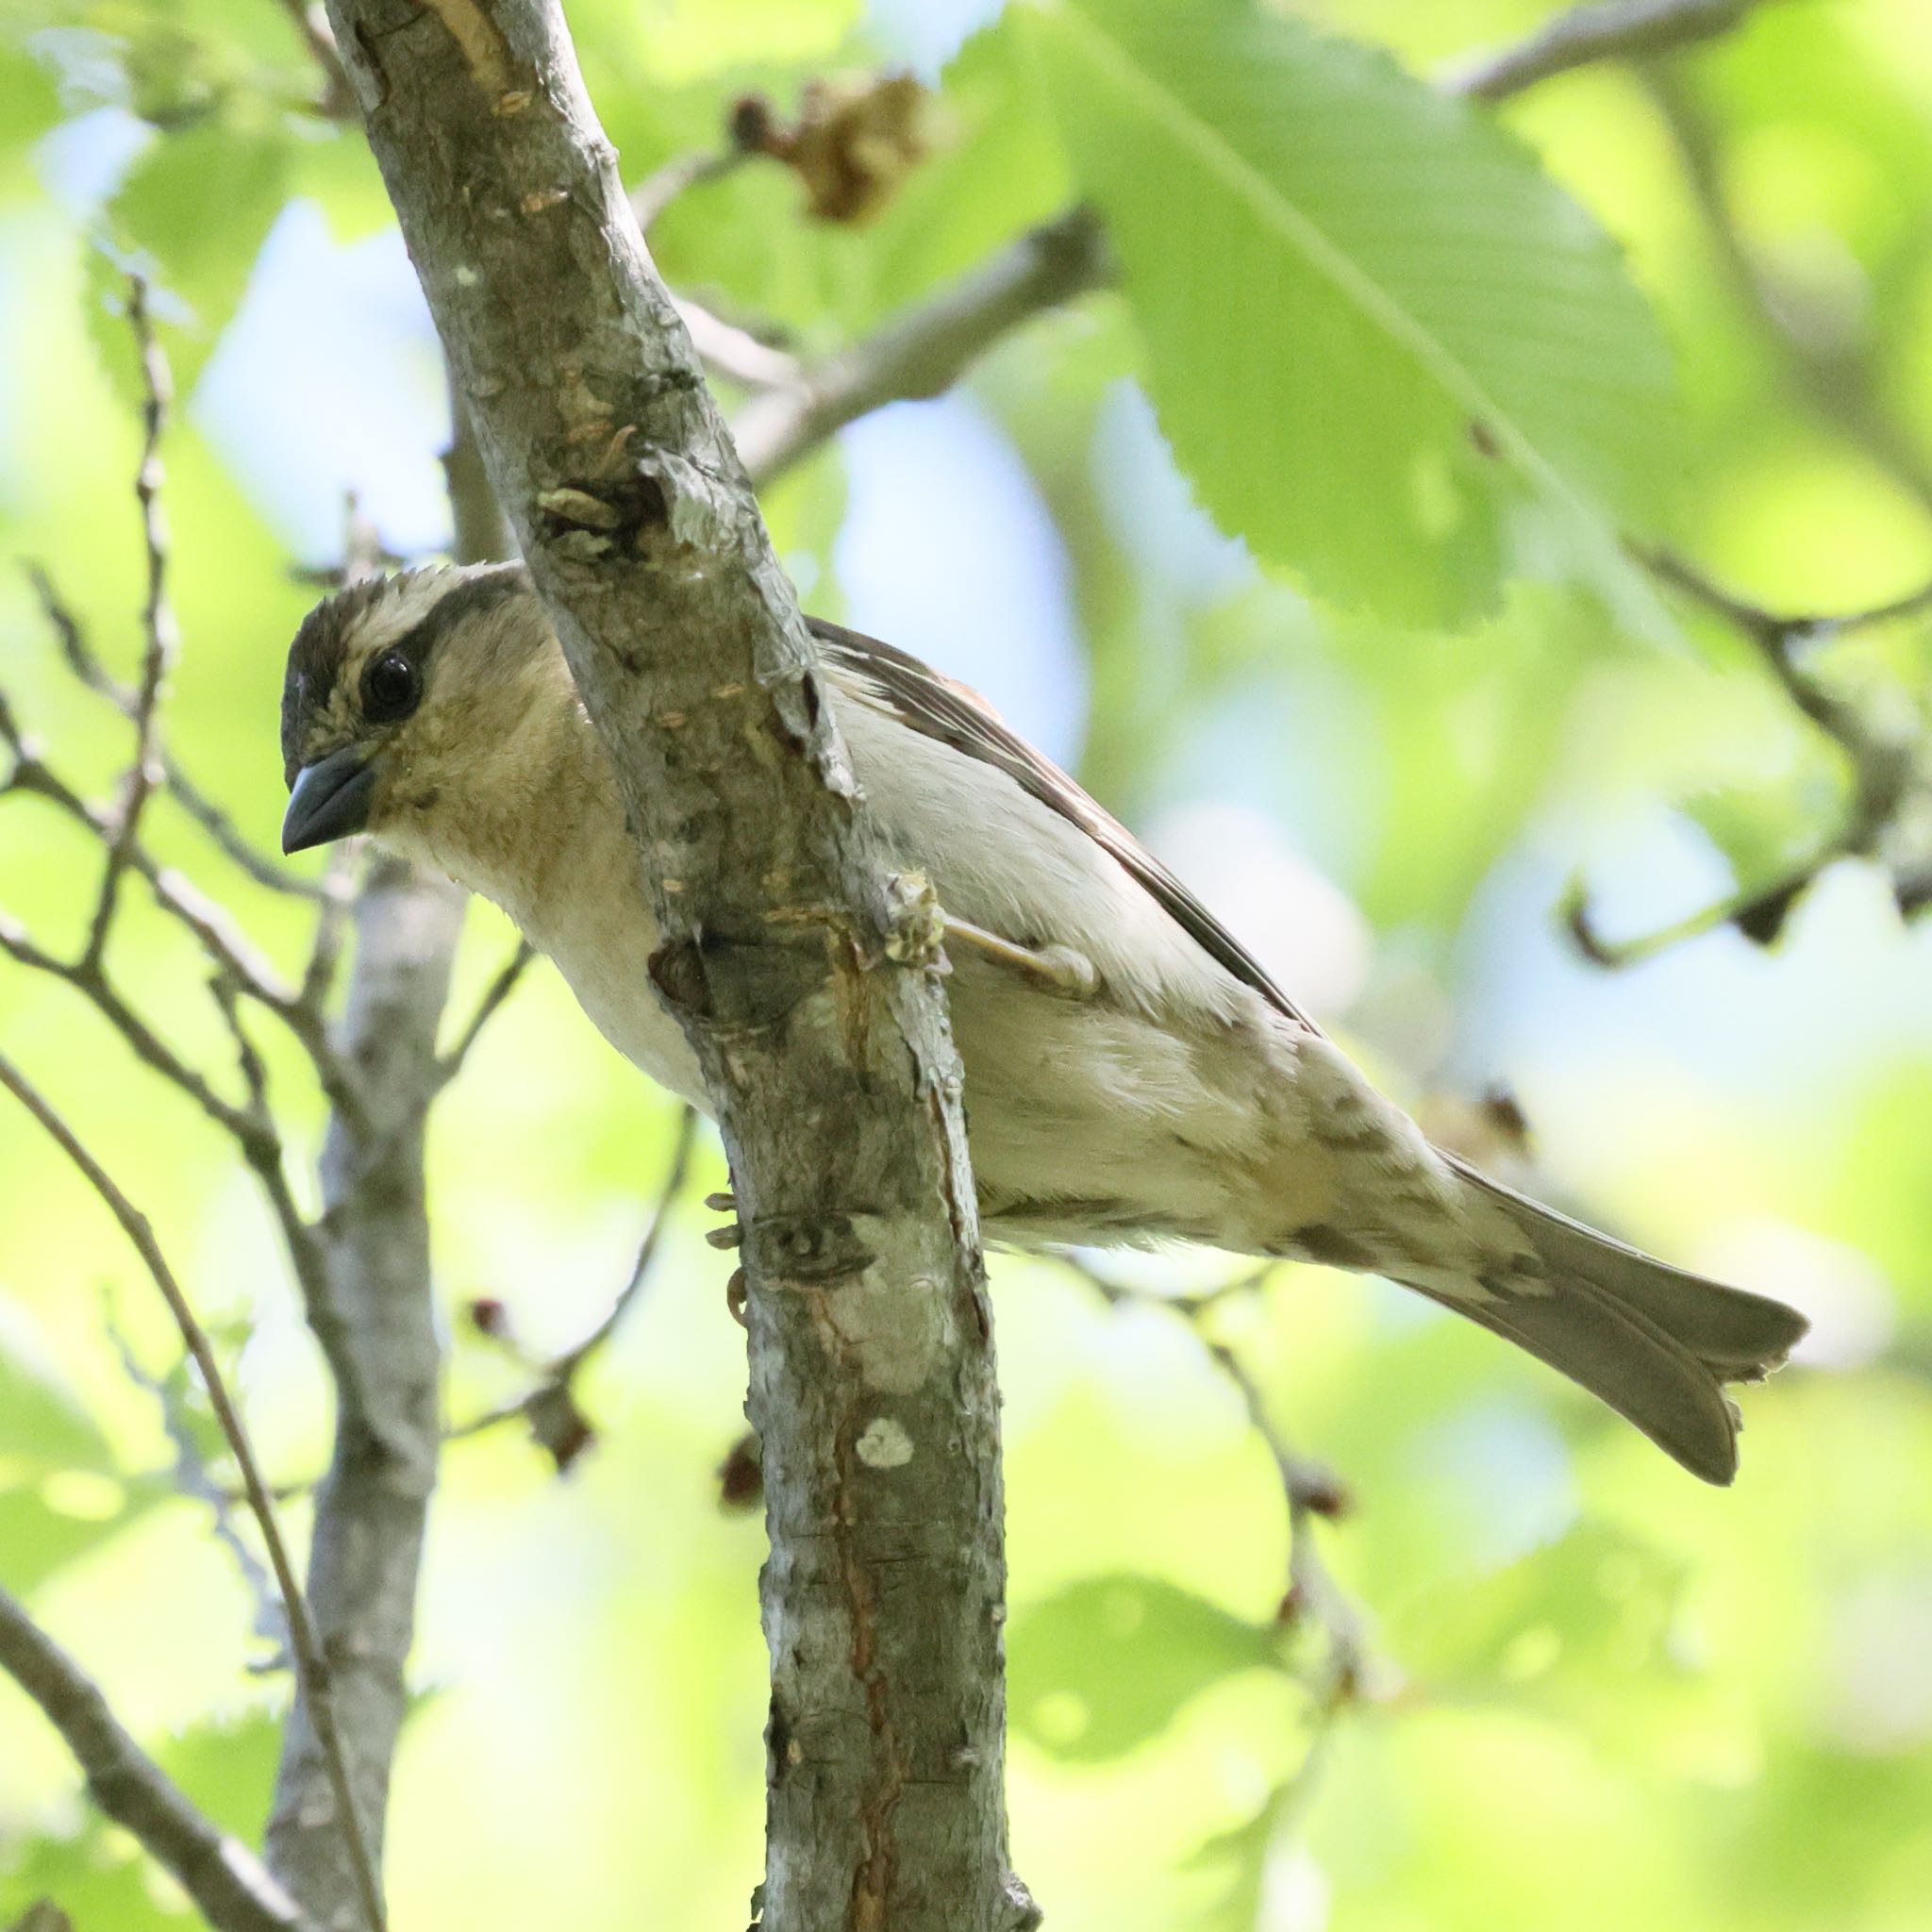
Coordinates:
800 975
373 1309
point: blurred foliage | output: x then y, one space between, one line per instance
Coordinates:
1333 487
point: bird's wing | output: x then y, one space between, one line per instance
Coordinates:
955 715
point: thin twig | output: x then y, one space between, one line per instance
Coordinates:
1311 1496
1601 30
925 350
1884 769
222 1876
157 616
338 101
499 990
1309 1490
552 1399
1828 355
85 662
194 1479
227 947
678 177
311 1667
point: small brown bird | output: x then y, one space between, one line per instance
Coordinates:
1131 1072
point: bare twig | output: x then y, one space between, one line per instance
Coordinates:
158 619
1601 30
1312 1495
370 1303
735 354
86 665
311 1669
338 100
223 1878
228 948
925 350
1309 1490
1828 354
194 1479
1884 769
494 994
678 177
550 1406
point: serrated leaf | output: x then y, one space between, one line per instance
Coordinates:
1107 1664
1387 348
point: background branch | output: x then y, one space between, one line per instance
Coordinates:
311 1671
371 1303
224 1878
1602 30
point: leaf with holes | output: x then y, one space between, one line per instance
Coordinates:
1391 354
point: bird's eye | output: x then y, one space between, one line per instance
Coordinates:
390 688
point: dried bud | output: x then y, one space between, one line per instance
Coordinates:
560 1426
855 142
742 1475
751 125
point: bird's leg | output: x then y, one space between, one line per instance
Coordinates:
1060 969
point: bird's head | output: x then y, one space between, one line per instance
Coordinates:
408 703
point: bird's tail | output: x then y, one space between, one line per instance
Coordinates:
1655 1343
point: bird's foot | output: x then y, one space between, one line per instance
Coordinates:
1060 969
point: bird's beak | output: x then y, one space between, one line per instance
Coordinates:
329 799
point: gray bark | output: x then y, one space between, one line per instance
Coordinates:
373 1309
795 965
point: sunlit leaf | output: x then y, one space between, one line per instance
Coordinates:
162 221
1383 344
1109 1662
40 1420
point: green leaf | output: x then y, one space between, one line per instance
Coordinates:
1107 1664
1387 348
28 107
98 1877
44 1527
1583 1619
41 1420
227 1766
195 214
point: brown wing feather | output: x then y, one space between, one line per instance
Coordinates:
957 715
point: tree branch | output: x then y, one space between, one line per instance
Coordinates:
925 351
1888 777
928 347
821 1031
223 1878
311 1672
1599 31
371 1303
556 1421
1828 355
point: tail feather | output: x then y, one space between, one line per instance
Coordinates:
1653 1343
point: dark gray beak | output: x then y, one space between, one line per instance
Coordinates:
329 799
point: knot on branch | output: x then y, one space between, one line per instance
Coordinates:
658 502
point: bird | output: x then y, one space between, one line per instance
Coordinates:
1131 1072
